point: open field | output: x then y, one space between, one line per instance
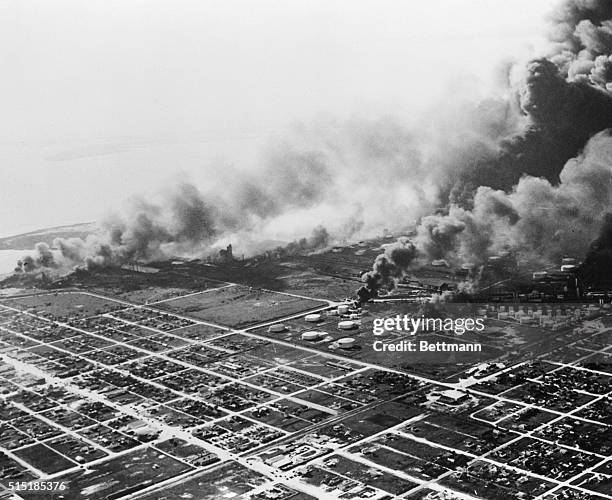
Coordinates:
63 305
227 480
239 306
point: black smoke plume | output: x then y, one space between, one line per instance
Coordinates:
543 194
524 170
390 265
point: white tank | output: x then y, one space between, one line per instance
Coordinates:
343 309
347 325
312 318
346 343
312 335
278 328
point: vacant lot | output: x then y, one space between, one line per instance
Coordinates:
239 306
117 477
64 305
228 480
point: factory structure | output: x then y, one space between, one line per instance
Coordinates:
503 279
564 283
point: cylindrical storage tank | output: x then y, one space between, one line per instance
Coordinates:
278 328
346 343
343 309
312 318
311 335
347 325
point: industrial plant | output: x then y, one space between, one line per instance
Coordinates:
411 300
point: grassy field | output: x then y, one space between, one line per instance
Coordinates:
64 305
238 306
228 480
117 477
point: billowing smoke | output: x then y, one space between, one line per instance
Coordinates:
555 176
318 240
582 37
149 231
525 170
187 221
537 220
597 266
390 265
319 174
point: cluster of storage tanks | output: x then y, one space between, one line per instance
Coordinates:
349 320
552 316
343 343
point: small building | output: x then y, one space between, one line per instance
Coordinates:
453 397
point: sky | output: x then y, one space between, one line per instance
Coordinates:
101 100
